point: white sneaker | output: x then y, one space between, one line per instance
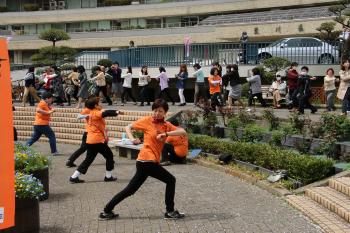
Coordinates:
249 110
55 153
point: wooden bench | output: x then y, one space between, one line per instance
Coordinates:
267 95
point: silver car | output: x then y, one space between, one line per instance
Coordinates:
304 50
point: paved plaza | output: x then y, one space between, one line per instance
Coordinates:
213 202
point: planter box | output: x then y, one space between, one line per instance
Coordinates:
43 176
27 218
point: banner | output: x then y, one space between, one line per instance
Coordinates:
7 167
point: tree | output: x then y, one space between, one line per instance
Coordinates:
54 35
270 67
47 55
342 12
327 31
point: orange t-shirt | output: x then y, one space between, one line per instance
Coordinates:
214 89
180 144
42 119
95 128
85 111
152 148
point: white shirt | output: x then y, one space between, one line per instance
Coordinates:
142 80
127 80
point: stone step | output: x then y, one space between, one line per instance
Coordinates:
30 120
327 220
58 140
68 136
79 124
63 117
71 130
332 200
341 184
76 111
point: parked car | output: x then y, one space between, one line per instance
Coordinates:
304 50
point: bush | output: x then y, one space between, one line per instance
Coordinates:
297 122
301 167
31 7
116 2
234 123
246 118
334 126
3 8
105 62
253 133
277 137
269 115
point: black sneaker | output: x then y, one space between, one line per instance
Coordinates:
110 179
70 164
108 216
75 180
174 215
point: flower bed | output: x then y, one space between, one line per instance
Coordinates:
304 168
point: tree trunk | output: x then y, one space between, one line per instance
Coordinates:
346 50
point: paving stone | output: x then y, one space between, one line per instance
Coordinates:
213 202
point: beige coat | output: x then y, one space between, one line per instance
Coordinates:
344 84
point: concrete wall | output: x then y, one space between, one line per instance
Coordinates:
145 11
147 37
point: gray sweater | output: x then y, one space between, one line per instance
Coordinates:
255 84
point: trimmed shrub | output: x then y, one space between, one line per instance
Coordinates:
3 8
253 133
105 62
301 167
31 7
116 2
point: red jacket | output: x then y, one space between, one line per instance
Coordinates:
292 76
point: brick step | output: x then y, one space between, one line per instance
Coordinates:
76 111
72 115
332 200
64 116
30 119
327 220
71 130
79 124
341 184
58 140
68 135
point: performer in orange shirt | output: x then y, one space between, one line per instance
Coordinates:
41 123
214 88
175 149
96 141
155 130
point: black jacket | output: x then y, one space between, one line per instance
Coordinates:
231 78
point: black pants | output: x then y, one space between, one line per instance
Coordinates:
169 154
293 98
304 102
81 149
166 92
127 91
144 94
103 89
216 100
15 135
92 151
260 98
143 170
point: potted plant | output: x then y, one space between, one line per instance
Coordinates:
31 162
28 190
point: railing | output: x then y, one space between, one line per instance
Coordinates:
225 53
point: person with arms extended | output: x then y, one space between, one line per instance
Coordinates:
304 90
155 130
96 140
41 123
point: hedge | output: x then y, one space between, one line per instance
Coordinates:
305 168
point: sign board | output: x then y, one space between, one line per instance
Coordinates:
7 167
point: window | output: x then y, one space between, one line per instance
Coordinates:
154 23
293 43
310 43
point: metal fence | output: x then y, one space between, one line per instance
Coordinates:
224 53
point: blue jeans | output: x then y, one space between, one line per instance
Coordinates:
47 131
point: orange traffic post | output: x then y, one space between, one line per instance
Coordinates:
7 167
